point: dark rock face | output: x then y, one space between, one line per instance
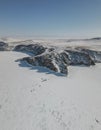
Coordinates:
35 49
79 58
96 38
95 55
3 46
20 48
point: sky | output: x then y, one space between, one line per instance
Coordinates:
50 18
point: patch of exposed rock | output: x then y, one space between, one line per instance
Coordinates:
52 61
79 58
95 55
3 46
55 58
35 49
59 61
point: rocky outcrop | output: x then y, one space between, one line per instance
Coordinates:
95 55
55 58
52 61
3 46
79 58
59 61
35 49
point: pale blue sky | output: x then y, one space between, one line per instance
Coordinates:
71 18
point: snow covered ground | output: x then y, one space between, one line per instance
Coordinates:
34 99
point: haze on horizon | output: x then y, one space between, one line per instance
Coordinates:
50 18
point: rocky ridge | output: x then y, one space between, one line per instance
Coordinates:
55 58
3 46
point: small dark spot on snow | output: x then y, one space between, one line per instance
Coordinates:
43 80
39 85
97 121
32 90
92 127
62 102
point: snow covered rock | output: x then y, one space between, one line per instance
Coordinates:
35 49
59 62
95 55
3 46
53 61
59 59
55 58
79 58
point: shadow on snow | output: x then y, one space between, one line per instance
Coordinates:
40 69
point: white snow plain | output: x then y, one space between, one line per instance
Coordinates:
33 98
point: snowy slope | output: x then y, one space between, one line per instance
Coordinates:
33 100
